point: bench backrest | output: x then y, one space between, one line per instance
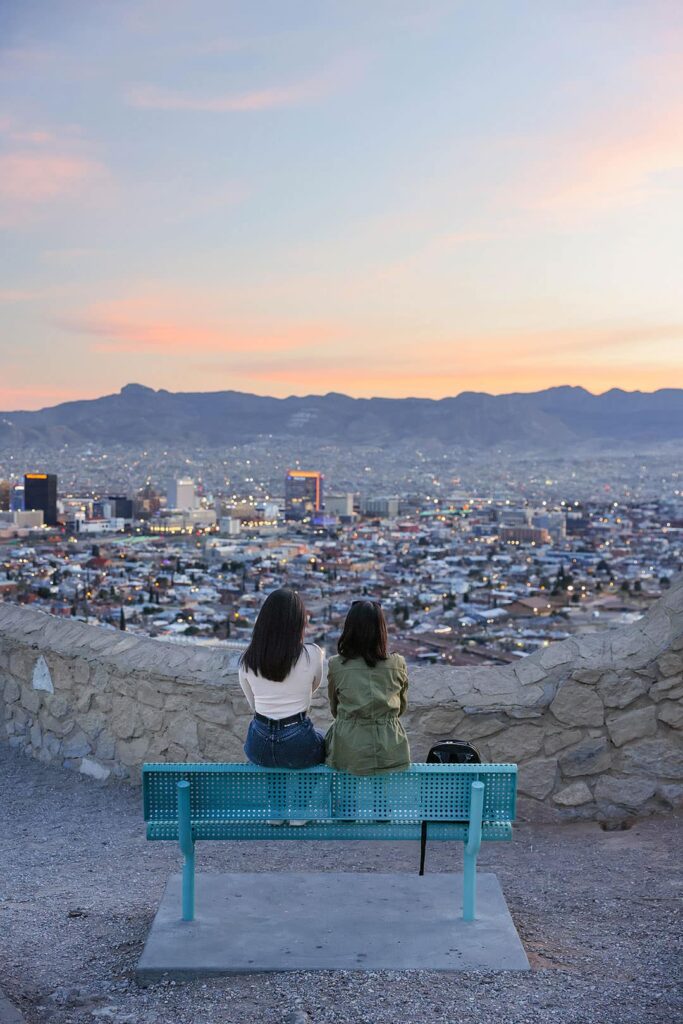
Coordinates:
244 792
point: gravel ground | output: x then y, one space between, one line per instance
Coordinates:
598 912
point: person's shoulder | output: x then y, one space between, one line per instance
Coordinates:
396 660
314 651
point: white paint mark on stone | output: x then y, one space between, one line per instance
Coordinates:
42 680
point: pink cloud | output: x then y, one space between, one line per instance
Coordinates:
136 325
35 182
27 177
151 97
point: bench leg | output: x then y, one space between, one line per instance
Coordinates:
187 848
469 894
188 888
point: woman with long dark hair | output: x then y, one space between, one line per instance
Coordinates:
368 690
279 673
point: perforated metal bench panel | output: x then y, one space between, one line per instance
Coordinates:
234 801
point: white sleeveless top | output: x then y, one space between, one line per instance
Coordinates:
293 694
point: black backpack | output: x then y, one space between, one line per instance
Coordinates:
447 752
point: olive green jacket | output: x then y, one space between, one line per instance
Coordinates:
367 736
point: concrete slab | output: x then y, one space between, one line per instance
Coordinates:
330 921
9 1014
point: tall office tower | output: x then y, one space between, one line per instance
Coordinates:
40 494
16 498
181 494
303 493
5 488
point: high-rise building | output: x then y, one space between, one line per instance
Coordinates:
181 494
5 488
40 494
303 493
16 498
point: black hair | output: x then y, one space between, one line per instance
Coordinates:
364 634
278 638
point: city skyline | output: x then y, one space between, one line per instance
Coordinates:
297 199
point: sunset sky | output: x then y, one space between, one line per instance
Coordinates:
370 196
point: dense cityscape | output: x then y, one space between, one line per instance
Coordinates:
476 559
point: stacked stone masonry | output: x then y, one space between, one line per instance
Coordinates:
594 723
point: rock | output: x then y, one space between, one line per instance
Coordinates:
671 712
529 672
558 654
573 795
558 740
517 743
476 726
57 705
30 700
105 748
132 752
217 714
438 722
537 778
55 725
588 675
667 689
76 744
588 758
41 678
36 736
660 758
626 792
671 793
94 769
12 691
182 729
670 664
125 721
632 725
617 690
576 704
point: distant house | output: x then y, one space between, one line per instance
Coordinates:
525 607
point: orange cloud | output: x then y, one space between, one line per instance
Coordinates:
432 383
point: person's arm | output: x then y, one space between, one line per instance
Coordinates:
332 691
403 670
246 689
319 659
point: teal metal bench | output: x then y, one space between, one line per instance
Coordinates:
191 802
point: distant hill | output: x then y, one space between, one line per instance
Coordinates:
550 419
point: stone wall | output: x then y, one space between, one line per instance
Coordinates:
594 722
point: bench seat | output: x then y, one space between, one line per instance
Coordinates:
188 803
236 830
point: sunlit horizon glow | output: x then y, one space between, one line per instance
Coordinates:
384 199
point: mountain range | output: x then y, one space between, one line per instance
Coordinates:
554 418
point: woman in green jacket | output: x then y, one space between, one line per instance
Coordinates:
368 692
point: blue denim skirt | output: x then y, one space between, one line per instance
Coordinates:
295 745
